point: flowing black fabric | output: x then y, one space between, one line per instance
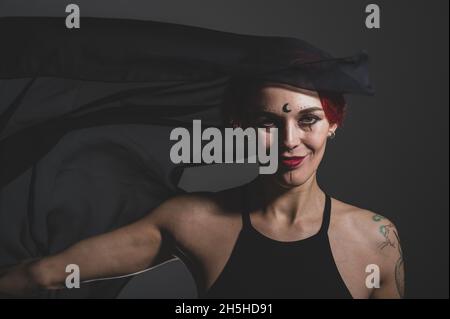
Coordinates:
85 117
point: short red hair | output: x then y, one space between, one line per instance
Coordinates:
334 107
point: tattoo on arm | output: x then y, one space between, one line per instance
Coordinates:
399 270
386 231
377 218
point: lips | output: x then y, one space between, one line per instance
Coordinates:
292 162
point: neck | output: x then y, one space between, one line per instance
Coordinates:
290 204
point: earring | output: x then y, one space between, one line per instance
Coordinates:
332 135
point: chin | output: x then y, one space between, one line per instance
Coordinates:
291 179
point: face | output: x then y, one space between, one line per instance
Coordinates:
302 126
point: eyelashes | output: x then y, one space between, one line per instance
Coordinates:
309 120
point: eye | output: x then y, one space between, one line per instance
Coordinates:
308 120
266 123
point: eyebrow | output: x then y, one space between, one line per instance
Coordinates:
307 110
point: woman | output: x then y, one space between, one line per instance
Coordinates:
280 236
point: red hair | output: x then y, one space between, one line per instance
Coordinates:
334 107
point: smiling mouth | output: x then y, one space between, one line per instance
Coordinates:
292 161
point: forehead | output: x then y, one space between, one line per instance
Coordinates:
273 97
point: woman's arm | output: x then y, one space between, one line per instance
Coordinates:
390 261
123 251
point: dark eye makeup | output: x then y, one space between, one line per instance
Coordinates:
309 119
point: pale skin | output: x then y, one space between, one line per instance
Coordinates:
288 206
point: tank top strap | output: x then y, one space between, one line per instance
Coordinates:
326 216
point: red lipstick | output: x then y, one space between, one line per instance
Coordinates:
292 162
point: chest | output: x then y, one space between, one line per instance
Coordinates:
214 250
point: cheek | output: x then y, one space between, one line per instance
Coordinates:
315 139
315 142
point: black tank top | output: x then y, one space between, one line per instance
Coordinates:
260 267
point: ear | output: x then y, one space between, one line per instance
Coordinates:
333 127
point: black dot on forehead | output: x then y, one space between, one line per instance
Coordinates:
286 108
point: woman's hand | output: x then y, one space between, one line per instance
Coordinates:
21 279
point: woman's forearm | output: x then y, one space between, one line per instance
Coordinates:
123 251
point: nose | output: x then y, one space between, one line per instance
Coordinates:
290 138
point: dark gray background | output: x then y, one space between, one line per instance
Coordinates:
391 156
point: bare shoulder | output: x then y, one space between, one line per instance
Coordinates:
196 209
369 238
369 228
